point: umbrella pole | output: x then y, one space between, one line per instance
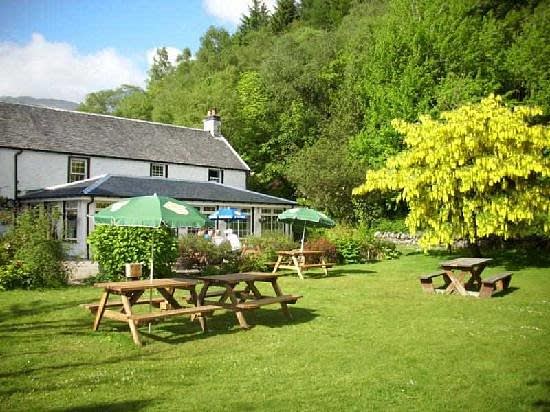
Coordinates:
151 280
303 236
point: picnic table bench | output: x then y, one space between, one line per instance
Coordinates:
495 284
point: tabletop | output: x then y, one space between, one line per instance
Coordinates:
298 252
464 263
147 284
241 277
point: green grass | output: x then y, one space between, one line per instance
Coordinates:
365 338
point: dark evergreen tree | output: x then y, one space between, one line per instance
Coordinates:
285 13
258 17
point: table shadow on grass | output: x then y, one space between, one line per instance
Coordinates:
332 273
124 406
137 357
226 323
36 307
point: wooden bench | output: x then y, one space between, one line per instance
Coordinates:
92 307
256 303
494 284
148 317
315 265
426 281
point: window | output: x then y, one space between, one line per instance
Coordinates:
215 175
242 228
269 220
159 169
78 169
70 221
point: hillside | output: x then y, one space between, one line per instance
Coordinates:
55 103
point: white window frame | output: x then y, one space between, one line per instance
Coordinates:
164 167
242 228
269 220
70 208
218 178
76 176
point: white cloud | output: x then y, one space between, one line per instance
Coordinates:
172 55
56 70
231 10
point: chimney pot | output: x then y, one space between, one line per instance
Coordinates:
212 122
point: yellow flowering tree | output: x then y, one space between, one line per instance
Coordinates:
479 170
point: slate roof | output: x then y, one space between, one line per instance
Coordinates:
129 186
62 131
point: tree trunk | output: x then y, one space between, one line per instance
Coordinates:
475 250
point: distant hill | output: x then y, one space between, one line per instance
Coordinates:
55 103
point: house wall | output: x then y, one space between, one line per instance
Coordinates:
235 178
37 170
185 172
6 172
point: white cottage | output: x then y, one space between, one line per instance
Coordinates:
79 163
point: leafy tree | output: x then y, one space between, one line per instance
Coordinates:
325 175
107 101
285 13
137 105
479 170
185 55
213 44
161 65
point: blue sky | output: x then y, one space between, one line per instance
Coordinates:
67 48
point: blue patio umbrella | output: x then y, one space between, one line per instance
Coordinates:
228 214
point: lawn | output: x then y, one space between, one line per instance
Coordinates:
364 338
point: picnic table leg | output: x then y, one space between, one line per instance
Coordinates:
100 310
475 278
297 266
279 260
200 317
128 310
279 292
250 286
238 312
134 297
324 263
456 284
169 296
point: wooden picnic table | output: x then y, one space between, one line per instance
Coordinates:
297 261
249 298
457 269
130 293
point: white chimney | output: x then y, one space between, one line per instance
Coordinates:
212 122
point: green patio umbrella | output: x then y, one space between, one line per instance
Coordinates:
151 211
305 216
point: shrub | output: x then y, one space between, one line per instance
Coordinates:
30 257
198 252
113 246
387 225
358 245
269 243
323 244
